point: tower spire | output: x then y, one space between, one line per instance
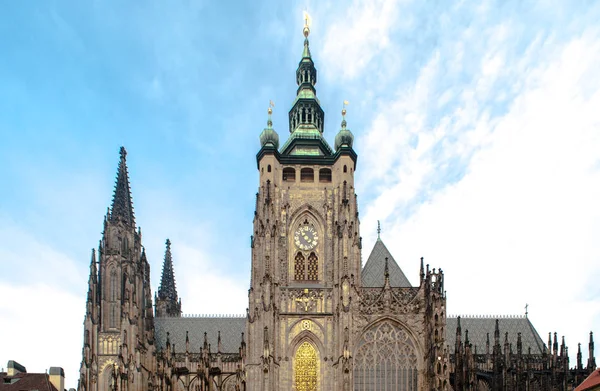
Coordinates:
306 114
122 205
167 302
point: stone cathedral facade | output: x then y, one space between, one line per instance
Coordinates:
317 319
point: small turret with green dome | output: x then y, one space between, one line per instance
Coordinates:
344 136
269 136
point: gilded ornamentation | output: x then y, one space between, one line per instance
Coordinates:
306 368
307 300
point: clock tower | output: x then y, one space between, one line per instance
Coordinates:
306 251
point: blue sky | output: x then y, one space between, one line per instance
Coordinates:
477 126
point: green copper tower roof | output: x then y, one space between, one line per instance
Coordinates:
269 136
306 117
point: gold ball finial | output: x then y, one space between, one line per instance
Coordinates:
270 111
306 29
343 112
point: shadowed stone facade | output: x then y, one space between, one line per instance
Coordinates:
316 319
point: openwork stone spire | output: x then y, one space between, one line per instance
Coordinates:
167 288
122 205
167 302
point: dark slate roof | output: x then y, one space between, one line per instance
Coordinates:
231 329
25 382
374 270
479 327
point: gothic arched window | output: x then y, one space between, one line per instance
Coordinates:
113 285
299 267
306 368
113 316
312 269
385 359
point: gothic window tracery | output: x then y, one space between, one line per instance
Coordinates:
385 359
306 271
306 368
299 267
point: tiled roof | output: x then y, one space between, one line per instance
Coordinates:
592 382
479 327
374 271
231 329
25 382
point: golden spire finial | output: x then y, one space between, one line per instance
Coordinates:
271 105
307 22
270 111
346 103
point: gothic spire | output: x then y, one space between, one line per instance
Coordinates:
122 206
167 288
591 358
167 302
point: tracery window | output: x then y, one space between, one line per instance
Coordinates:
299 267
385 359
306 271
306 368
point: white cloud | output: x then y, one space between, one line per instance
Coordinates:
204 287
522 224
357 35
44 328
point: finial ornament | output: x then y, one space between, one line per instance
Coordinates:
378 230
270 111
346 103
307 22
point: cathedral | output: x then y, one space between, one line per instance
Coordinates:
317 318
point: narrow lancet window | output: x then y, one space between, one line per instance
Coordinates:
299 267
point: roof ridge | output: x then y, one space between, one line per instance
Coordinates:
488 316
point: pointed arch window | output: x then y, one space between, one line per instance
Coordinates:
312 268
299 267
306 270
113 316
113 285
385 359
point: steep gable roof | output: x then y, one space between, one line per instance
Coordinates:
374 271
479 327
231 329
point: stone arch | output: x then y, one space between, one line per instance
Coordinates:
229 383
306 216
107 376
303 336
386 357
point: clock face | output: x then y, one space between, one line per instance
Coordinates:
306 238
